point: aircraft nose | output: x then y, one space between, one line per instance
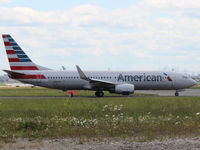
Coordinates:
193 82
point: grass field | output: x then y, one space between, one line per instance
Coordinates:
144 118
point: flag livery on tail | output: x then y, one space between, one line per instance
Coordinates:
17 58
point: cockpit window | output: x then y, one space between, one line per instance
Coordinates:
185 77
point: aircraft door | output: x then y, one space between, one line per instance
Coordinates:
38 79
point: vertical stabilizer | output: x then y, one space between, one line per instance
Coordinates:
17 58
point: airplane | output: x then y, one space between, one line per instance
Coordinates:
22 68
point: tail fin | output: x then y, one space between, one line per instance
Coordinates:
17 58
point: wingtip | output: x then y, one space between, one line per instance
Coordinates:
78 68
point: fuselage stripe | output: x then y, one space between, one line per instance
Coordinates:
29 76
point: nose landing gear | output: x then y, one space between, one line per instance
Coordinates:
176 93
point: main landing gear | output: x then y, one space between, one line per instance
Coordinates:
176 93
99 93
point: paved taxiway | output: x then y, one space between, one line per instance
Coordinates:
186 92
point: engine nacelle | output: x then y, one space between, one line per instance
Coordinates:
124 89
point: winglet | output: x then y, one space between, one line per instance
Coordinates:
81 73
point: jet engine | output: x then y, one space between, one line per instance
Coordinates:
124 89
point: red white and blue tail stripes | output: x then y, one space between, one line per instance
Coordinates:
17 58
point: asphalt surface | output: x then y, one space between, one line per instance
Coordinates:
186 92
150 93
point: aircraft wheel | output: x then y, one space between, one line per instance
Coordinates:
176 94
99 94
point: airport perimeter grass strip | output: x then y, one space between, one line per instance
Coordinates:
145 117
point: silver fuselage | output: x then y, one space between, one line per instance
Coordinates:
142 80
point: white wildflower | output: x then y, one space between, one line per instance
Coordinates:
105 106
115 108
141 118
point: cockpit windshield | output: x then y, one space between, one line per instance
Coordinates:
185 77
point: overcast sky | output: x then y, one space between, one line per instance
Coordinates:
105 34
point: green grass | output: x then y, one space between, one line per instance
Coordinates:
145 117
2 84
23 91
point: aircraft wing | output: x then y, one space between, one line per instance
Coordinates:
95 83
101 83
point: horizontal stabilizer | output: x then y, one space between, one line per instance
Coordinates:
13 72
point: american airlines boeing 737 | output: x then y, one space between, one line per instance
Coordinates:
22 68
